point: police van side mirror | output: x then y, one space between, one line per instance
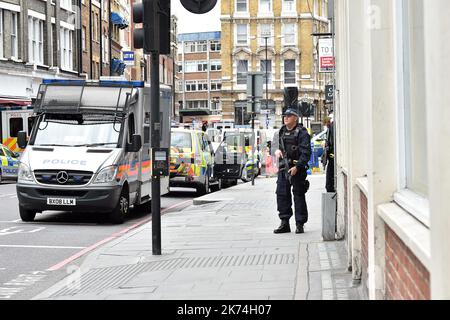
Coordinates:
22 139
136 143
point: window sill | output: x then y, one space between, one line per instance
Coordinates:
414 234
286 14
264 15
241 15
363 185
415 204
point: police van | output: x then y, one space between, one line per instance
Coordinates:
14 118
9 164
89 149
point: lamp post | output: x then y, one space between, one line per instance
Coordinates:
266 38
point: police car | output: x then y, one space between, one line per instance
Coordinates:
9 164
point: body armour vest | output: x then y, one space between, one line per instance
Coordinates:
290 139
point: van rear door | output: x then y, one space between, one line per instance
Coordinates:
181 154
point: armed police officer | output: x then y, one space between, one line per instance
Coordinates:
294 154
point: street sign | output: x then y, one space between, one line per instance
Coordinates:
265 111
326 57
258 84
329 93
128 58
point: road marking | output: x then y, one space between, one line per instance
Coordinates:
9 289
15 230
112 237
37 247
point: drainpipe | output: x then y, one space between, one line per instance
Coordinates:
101 40
90 38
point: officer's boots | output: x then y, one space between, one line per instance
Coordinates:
300 229
283 228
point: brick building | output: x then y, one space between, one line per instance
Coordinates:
106 35
391 125
289 59
38 39
199 76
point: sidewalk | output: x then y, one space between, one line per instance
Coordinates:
221 248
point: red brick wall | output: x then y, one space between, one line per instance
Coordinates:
346 213
364 235
406 276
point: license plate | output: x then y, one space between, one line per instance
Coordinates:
61 202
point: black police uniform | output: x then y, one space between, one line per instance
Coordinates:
298 149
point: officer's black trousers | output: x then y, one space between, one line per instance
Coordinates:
284 197
330 176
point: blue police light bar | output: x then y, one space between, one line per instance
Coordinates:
63 81
133 83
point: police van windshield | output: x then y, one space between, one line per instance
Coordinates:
78 131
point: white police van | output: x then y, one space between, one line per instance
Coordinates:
89 149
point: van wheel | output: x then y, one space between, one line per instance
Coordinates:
117 216
204 189
217 187
27 215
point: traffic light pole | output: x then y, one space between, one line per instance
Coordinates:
156 137
253 140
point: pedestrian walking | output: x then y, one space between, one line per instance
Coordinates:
329 156
294 154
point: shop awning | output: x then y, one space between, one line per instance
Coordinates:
119 20
16 102
195 112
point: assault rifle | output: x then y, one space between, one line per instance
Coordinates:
286 161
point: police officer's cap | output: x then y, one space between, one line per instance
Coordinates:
291 112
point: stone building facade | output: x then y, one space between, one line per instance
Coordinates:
391 120
289 59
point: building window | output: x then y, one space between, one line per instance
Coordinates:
202 46
289 34
105 49
289 6
414 100
66 40
14 32
265 31
241 6
202 66
35 40
241 34
197 104
66 4
189 47
289 71
242 71
180 85
266 68
265 6
190 66
216 85
1 33
215 46
216 65
191 85
202 85
83 38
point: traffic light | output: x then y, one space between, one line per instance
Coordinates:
198 6
155 34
